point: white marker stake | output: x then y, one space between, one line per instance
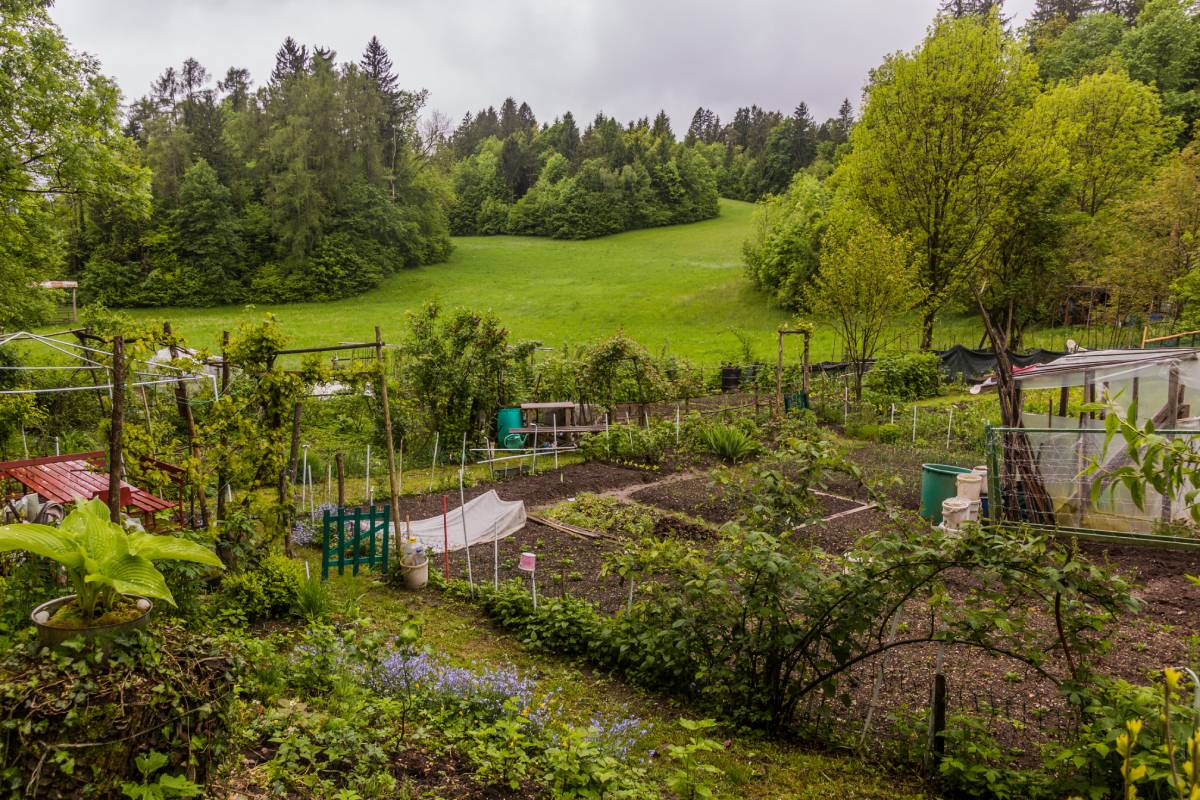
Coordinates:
914 424
495 558
556 442
367 490
949 427
304 478
677 424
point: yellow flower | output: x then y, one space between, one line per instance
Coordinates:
1134 726
1172 676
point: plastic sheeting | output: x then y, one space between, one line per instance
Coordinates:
486 518
974 365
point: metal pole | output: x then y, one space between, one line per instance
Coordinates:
116 462
914 424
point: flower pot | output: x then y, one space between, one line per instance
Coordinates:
414 573
54 635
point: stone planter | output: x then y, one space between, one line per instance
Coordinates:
54 635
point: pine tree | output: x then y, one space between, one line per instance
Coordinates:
525 117
967 8
845 121
510 120
1069 10
290 60
662 127
570 137
236 86
377 65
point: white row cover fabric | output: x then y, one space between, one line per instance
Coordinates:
487 518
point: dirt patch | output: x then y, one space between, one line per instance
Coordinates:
566 564
695 496
535 490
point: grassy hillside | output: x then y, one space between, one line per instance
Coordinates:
680 288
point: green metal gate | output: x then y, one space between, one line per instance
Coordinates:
364 544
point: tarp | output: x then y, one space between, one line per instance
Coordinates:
487 518
973 365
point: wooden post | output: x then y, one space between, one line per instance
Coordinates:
779 378
185 412
394 490
341 476
1064 395
1170 424
222 478
116 463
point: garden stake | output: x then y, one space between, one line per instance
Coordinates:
677 424
607 441
304 478
893 418
462 510
445 539
433 464
495 558
949 426
556 444
367 488
914 424
630 604
400 476
862 740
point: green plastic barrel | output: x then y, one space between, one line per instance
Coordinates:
506 420
938 483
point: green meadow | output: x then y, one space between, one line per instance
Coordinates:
679 289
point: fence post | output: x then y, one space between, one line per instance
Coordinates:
325 544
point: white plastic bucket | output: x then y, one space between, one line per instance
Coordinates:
954 512
415 574
974 511
982 471
969 484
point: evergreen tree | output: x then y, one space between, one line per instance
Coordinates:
662 127
290 60
965 8
236 86
1068 10
510 118
207 240
845 121
377 65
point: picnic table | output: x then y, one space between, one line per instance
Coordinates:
571 427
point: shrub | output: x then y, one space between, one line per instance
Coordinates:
170 692
269 591
904 376
630 443
727 442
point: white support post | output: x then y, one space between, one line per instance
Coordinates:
433 464
914 424
949 427
367 488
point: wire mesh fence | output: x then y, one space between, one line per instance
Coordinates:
1040 475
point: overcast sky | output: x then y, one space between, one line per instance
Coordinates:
626 57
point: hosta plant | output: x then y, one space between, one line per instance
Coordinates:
103 561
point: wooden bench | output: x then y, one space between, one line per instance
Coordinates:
573 429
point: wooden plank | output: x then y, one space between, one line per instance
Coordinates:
582 533
548 406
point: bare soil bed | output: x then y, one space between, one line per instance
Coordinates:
1021 704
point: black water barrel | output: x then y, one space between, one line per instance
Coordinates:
731 379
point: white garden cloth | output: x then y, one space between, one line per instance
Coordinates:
487 518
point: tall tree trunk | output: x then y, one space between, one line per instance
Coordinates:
927 327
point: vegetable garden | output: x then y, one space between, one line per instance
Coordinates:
731 596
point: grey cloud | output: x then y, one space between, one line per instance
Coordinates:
624 57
